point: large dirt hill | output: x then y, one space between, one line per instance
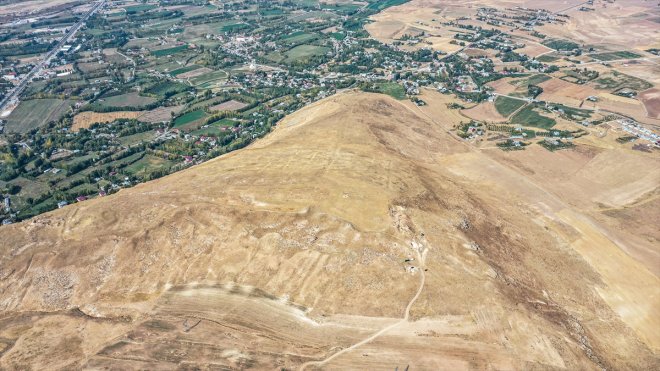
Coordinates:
359 234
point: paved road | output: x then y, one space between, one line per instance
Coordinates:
16 92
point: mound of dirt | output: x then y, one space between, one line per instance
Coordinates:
359 234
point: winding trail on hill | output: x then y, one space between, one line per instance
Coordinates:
421 256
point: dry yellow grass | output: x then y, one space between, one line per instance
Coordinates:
412 19
484 112
304 243
84 120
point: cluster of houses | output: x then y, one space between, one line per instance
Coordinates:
518 17
635 129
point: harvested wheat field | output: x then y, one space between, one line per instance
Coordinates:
160 114
230 105
156 115
416 19
503 86
533 49
84 120
359 234
560 91
485 112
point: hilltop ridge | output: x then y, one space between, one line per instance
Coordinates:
359 218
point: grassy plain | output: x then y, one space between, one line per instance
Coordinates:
189 118
506 106
529 116
169 51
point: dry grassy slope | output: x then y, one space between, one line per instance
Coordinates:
203 267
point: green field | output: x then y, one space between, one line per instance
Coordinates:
215 129
547 58
208 77
189 117
390 88
302 52
127 100
139 8
575 113
234 26
147 165
134 139
185 69
31 114
558 44
529 117
338 36
276 57
341 8
268 12
379 5
165 66
614 55
166 87
121 163
506 106
537 79
293 17
169 51
299 37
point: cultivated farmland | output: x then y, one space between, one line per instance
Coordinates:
506 106
530 116
31 114
190 118
127 100
87 118
230 105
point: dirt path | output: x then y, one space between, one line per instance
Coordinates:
421 256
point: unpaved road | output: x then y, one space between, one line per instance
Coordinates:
421 257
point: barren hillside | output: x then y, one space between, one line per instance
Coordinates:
360 234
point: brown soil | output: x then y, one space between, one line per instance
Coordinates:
231 105
360 224
560 91
651 100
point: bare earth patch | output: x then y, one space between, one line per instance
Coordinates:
160 114
651 100
231 105
194 73
485 112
